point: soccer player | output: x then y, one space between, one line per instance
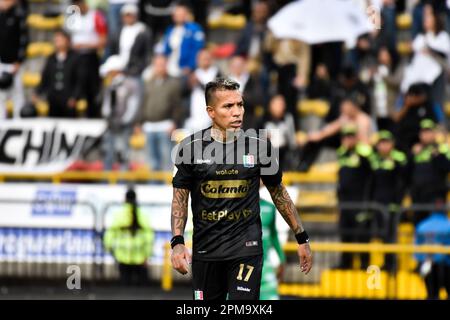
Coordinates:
221 167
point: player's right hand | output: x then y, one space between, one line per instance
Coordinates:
181 258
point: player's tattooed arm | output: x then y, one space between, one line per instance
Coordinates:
286 207
179 210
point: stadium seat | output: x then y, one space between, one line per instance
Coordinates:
39 22
39 49
222 51
405 233
81 106
319 173
42 108
410 286
404 48
316 198
404 21
228 21
137 141
447 109
313 107
9 107
354 284
31 80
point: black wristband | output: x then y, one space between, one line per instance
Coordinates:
302 237
176 240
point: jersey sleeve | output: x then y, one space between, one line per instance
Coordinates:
183 173
271 173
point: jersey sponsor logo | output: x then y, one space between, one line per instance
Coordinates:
227 172
248 161
225 215
239 288
198 295
251 243
220 189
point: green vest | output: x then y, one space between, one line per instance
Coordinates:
426 154
126 247
377 162
352 158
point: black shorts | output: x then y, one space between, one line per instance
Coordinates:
239 278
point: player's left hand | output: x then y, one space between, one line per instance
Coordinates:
280 272
305 257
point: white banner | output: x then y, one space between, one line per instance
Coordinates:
45 145
47 222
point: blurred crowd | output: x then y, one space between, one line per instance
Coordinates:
142 66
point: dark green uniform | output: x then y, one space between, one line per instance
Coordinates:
388 188
354 174
429 169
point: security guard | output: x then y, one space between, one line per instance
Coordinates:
387 186
430 165
352 191
130 240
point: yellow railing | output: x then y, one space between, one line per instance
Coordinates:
370 248
366 284
109 176
146 175
370 284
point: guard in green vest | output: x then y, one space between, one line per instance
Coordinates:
270 277
352 192
430 165
130 240
387 188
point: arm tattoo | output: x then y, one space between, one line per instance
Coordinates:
286 207
179 210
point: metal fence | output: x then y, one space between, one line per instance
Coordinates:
387 235
45 250
46 247
40 241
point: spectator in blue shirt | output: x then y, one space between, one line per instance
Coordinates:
435 268
182 41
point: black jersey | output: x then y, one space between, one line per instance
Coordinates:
224 180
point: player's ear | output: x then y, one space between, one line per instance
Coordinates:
210 111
